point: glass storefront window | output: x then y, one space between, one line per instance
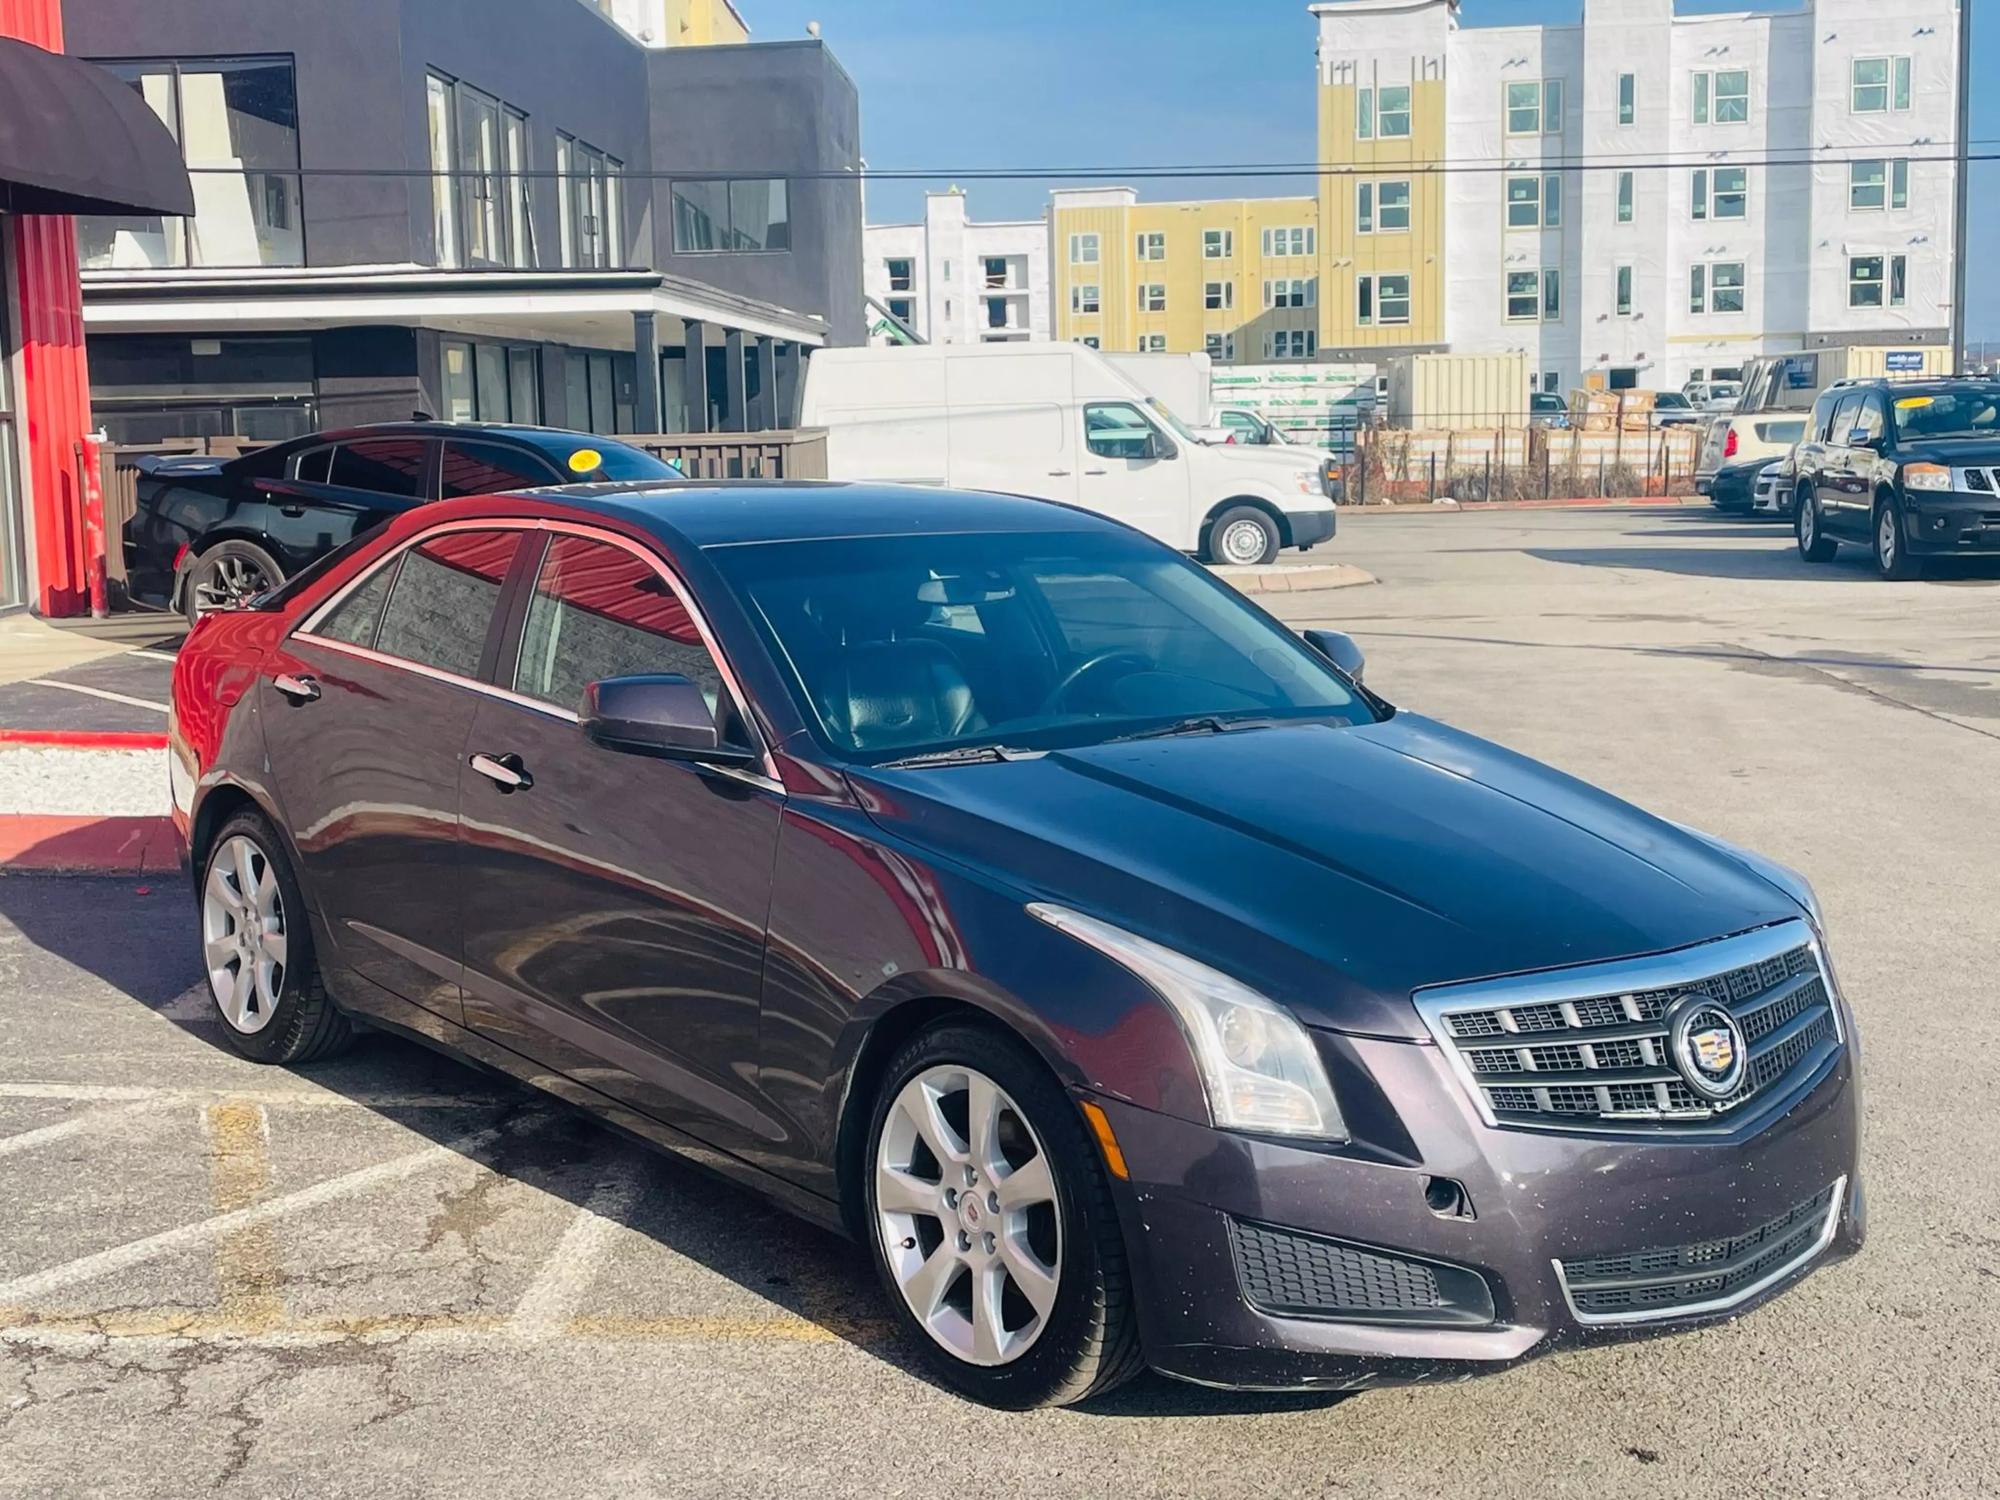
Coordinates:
237 123
491 382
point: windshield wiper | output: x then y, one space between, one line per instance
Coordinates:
1200 724
964 755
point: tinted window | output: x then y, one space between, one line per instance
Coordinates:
1965 411
599 611
1843 419
489 468
613 461
313 465
354 619
1870 418
443 599
1822 416
388 466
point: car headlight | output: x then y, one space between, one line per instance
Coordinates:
1926 477
1308 484
1257 1065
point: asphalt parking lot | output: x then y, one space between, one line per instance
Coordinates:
393 1276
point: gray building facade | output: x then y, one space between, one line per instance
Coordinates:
492 209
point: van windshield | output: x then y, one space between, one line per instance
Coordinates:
902 646
1165 413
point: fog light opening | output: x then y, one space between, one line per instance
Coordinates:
1448 1199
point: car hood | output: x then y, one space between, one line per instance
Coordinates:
1270 463
1957 453
1336 869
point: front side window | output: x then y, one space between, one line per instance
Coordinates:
600 611
1177 643
382 466
442 602
741 216
1117 430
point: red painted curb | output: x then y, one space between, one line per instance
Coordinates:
85 739
57 845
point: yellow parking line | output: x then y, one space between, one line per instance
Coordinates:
239 1175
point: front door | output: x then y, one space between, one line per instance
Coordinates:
1133 472
366 711
616 904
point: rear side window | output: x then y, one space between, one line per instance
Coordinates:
313 466
490 468
600 611
441 605
386 466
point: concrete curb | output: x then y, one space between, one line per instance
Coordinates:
1406 507
51 844
1281 578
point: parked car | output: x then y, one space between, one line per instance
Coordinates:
1773 493
1910 469
980 876
1740 437
1061 422
206 532
1547 410
1672 409
1733 487
1713 395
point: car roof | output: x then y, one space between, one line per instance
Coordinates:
722 513
539 437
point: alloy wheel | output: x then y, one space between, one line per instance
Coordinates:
228 582
1886 538
1808 524
243 934
966 1207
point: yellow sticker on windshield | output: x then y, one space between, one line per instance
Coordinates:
584 460
1911 403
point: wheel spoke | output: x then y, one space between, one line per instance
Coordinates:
1027 1184
982 1123
240 993
267 892
274 948
220 888
218 951
897 1192
921 1105
989 1334
926 1286
1034 1280
243 853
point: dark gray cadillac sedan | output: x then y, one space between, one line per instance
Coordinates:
977 876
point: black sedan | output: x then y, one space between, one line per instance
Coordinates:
983 878
206 533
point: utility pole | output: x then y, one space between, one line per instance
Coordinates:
1961 150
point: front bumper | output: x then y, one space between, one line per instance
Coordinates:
1937 523
1536 1201
1733 488
1310 527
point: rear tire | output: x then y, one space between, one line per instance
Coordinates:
1893 559
1037 1346
1815 546
227 576
257 950
1244 536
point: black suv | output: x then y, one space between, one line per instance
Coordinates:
1909 468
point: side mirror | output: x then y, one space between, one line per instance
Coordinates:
1339 648
1860 437
665 715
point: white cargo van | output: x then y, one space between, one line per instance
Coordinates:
1059 422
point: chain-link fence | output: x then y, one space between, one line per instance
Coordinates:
1470 460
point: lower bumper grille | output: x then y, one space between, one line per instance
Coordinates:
1706 1276
1306 1275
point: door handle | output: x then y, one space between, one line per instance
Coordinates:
504 771
300 689
293 511
1097 471
1058 473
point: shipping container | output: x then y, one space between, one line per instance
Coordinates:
1458 390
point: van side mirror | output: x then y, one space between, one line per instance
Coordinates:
664 715
1338 647
1159 445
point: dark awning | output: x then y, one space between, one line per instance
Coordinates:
76 140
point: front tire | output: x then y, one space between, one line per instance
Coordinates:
1815 546
1892 549
1243 537
257 950
992 1224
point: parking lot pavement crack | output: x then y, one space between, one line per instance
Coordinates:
1758 659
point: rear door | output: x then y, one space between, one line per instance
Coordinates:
1133 472
366 710
616 904
337 492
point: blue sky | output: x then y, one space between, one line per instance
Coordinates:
954 84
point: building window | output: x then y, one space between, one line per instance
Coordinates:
1291 240
1218 244
1392 205
1364 208
1867 285
1153 246
995 268
1083 299
1152 296
1392 111
486 382
1878 184
1721 192
741 215
1624 197
1152 343
1628 98
237 123
1722 97
1877 85
481 210
1534 202
1220 346
1218 296
903 309
1534 296
1623 279
1392 299
1083 249
1291 343
1548 383
1535 108
902 275
1297 291
1715 287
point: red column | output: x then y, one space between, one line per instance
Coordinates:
55 382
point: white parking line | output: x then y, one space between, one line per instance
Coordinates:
28 1140
558 1289
151 655
136 1252
105 693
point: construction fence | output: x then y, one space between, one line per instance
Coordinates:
1472 460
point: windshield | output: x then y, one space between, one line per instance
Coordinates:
586 460
1671 398
1165 414
900 646
1963 411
